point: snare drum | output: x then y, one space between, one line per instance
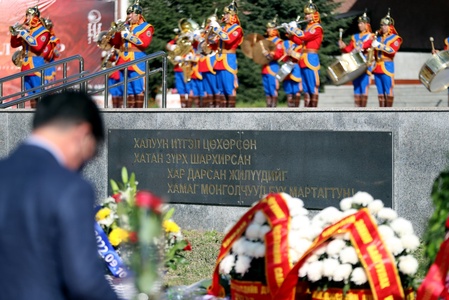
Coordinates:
286 69
434 74
347 68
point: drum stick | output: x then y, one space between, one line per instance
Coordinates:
340 33
433 46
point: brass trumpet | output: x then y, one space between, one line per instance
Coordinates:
15 29
104 37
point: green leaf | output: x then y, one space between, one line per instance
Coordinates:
169 214
114 186
124 175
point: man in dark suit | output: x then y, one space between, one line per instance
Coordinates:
47 244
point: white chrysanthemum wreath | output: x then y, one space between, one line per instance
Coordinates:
336 263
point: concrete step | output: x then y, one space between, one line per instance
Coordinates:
405 96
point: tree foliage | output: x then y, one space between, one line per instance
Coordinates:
254 15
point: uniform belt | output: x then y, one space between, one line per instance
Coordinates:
225 51
384 59
310 51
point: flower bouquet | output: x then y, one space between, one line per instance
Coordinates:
135 229
363 249
260 249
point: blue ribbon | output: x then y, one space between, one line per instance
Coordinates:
108 253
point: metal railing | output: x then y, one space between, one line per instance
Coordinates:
81 81
41 89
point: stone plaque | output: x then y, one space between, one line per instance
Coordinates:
236 168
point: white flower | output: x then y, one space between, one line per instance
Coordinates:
109 219
239 246
226 264
358 276
303 270
334 247
294 255
394 244
242 264
252 231
312 258
410 242
330 266
346 204
343 236
402 226
259 250
375 206
301 246
349 255
385 232
320 250
295 205
299 221
264 229
250 248
259 218
362 198
408 265
315 271
342 272
387 214
349 212
330 215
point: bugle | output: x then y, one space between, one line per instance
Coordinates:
15 29
105 36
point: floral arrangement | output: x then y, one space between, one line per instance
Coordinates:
337 264
327 250
246 260
140 229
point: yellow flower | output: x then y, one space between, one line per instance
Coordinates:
102 214
171 226
117 236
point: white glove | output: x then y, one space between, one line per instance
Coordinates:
375 43
125 33
215 26
23 33
293 24
189 57
285 25
178 59
171 47
197 35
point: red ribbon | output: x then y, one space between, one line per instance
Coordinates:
372 253
277 261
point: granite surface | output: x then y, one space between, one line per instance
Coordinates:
420 147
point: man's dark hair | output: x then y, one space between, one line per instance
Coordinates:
71 107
